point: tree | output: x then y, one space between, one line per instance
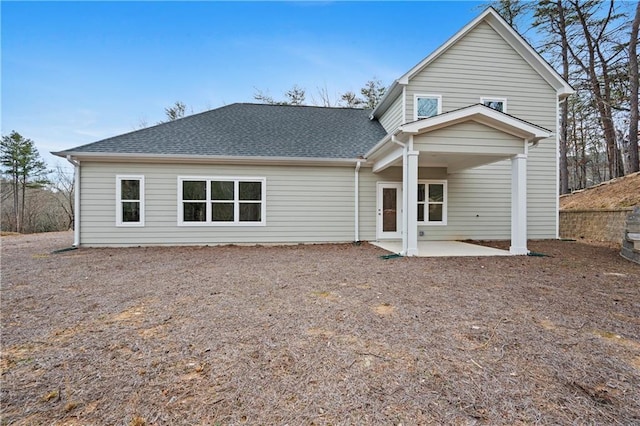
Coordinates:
351 100
22 163
551 18
62 185
294 96
177 110
373 91
634 163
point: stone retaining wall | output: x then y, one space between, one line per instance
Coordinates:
597 225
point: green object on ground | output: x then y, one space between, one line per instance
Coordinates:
390 256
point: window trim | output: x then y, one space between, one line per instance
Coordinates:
119 200
236 201
484 99
425 95
445 202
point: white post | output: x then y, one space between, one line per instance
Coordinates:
404 200
519 205
412 203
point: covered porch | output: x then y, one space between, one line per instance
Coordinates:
443 249
454 141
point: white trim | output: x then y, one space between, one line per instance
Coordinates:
122 157
404 105
445 202
502 99
119 200
429 96
484 115
236 201
519 205
491 17
557 192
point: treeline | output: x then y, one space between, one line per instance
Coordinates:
33 198
593 45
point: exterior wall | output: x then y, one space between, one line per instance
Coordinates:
597 225
469 137
304 204
482 64
392 118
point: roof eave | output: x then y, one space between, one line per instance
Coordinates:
209 159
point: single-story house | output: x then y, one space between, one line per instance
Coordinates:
462 146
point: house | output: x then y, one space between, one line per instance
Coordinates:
463 146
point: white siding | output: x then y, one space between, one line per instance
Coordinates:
483 64
392 117
304 204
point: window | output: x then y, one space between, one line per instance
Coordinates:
426 106
129 200
432 202
221 201
499 104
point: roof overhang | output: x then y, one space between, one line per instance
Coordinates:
388 151
205 159
515 40
480 114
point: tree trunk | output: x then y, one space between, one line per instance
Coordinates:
564 107
634 163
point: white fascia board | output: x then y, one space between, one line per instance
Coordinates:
480 114
443 48
207 159
387 160
387 99
516 41
529 54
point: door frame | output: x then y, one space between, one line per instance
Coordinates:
380 234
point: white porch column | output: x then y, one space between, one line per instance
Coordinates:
519 204
412 203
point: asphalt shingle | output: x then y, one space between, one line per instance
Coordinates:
254 130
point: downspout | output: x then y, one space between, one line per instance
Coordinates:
404 193
76 201
357 201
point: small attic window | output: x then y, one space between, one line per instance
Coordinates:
426 106
499 104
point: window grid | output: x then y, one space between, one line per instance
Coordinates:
221 207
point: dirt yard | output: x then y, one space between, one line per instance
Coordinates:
316 335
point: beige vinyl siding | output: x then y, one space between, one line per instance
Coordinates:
469 137
304 204
483 64
392 117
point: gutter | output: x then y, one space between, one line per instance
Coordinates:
357 201
76 201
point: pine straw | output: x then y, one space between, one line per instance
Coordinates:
617 193
317 335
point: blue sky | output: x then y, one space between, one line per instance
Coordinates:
77 72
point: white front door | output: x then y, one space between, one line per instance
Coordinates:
389 214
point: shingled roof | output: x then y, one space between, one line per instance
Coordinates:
251 130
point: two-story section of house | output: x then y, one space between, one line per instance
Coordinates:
472 142
462 146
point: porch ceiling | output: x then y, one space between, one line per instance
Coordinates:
453 162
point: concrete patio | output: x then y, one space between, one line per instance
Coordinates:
443 248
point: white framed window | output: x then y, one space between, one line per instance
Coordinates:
426 106
497 103
221 201
432 202
129 200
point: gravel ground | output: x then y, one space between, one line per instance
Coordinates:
316 335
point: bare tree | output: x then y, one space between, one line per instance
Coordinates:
177 110
634 163
62 187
